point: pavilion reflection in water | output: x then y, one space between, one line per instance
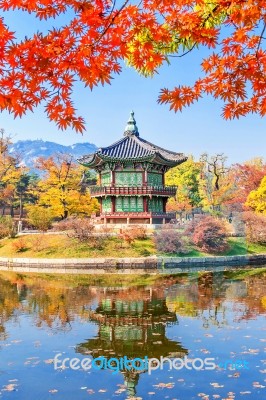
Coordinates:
132 323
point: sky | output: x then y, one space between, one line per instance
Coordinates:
198 129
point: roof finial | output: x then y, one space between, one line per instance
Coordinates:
131 127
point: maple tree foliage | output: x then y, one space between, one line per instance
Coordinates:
61 190
100 34
245 178
257 198
186 177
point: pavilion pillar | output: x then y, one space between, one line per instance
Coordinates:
145 178
112 204
101 204
145 204
112 178
164 204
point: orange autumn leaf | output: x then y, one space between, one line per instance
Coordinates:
99 35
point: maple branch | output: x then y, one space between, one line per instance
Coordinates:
111 22
260 39
184 54
202 25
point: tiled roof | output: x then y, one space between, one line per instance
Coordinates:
128 147
133 147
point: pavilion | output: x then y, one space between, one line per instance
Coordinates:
131 179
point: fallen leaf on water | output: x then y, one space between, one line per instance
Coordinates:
205 351
10 388
49 361
165 385
216 385
258 385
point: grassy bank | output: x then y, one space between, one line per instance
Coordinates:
61 246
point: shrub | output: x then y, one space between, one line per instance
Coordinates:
130 234
255 227
7 227
209 234
169 240
79 228
138 232
38 243
82 229
40 217
19 245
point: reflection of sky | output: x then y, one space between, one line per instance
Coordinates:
195 130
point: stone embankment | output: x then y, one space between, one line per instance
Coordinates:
140 265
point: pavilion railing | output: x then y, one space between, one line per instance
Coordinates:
133 190
142 214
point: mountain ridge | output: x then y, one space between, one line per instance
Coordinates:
30 150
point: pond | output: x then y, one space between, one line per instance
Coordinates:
196 336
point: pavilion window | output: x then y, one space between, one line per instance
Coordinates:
155 204
155 179
107 204
106 179
129 204
128 179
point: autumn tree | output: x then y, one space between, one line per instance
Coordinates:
96 36
255 227
214 185
11 173
186 178
257 198
246 177
40 217
61 188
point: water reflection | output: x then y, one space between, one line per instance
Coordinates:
132 323
159 320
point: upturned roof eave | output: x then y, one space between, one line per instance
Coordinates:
98 159
94 160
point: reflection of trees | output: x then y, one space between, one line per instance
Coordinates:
132 323
204 296
253 302
9 302
201 296
57 307
51 304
